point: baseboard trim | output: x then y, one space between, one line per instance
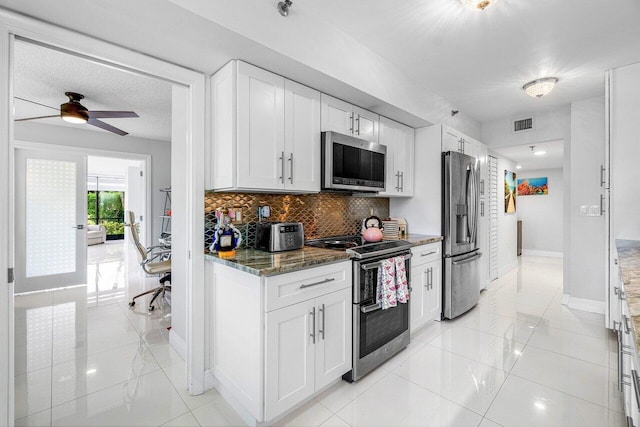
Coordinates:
581 304
542 253
507 268
178 344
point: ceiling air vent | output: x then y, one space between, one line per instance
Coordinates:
524 124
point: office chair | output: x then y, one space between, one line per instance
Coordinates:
154 261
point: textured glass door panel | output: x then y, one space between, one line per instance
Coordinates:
51 214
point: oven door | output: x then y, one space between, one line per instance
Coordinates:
378 335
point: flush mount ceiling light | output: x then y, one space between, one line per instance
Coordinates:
283 7
540 87
477 4
518 167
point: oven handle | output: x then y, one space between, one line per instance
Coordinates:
466 260
378 264
370 308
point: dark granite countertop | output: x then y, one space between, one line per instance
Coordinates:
629 262
262 263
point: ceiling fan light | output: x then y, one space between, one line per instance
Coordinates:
74 112
477 4
540 87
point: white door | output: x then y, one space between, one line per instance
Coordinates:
419 286
51 219
404 158
336 115
290 356
366 124
135 200
334 336
387 137
492 164
261 162
433 294
302 137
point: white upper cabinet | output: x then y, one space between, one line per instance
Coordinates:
399 140
261 124
302 137
342 117
265 132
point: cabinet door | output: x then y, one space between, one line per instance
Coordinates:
302 137
290 357
366 124
336 115
392 174
451 140
260 159
334 332
404 158
419 284
433 293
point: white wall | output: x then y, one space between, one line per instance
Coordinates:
160 154
109 166
542 216
588 253
507 222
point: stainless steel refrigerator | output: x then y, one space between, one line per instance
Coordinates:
461 260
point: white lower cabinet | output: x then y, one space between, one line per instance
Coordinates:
276 341
426 285
308 347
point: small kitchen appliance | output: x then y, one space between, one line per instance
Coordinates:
279 236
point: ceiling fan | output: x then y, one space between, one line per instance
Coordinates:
74 112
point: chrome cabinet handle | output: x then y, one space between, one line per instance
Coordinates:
602 210
370 308
313 329
291 168
352 123
331 279
281 158
358 122
397 181
402 182
323 314
428 253
481 207
430 277
79 226
626 324
602 169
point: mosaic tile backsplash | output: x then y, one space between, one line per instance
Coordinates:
322 215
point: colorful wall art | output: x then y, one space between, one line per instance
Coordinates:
509 192
533 187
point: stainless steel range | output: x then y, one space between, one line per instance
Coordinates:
377 334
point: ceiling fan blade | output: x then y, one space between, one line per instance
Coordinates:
34 118
105 126
37 103
111 114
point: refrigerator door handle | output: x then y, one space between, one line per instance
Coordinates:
467 260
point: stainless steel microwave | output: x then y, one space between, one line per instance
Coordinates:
352 164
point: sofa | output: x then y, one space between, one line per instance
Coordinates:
96 234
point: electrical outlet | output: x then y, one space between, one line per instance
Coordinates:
235 214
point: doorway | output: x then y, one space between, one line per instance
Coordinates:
189 137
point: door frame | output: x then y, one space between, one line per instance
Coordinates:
145 158
189 226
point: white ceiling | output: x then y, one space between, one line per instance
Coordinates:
523 155
479 60
43 75
476 61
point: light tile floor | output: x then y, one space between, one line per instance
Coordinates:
519 358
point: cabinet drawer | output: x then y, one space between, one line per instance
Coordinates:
426 253
291 288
